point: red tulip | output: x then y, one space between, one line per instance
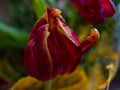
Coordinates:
53 48
109 8
94 11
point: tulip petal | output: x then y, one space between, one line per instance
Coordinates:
90 41
38 53
63 52
86 45
93 12
42 53
67 43
37 25
29 59
85 2
109 7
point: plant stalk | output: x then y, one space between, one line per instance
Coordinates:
48 85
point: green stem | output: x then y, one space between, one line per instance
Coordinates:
48 85
73 18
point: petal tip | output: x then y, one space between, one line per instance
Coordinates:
52 11
94 32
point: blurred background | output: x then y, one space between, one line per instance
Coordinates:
17 18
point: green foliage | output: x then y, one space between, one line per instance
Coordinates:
39 7
11 36
116 1
22 13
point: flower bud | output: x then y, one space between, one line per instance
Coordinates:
94 11
53 48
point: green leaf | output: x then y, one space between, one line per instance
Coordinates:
12 36
116 2
39 6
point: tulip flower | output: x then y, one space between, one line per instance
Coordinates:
53 48
95 11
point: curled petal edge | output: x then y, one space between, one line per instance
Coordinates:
90 41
